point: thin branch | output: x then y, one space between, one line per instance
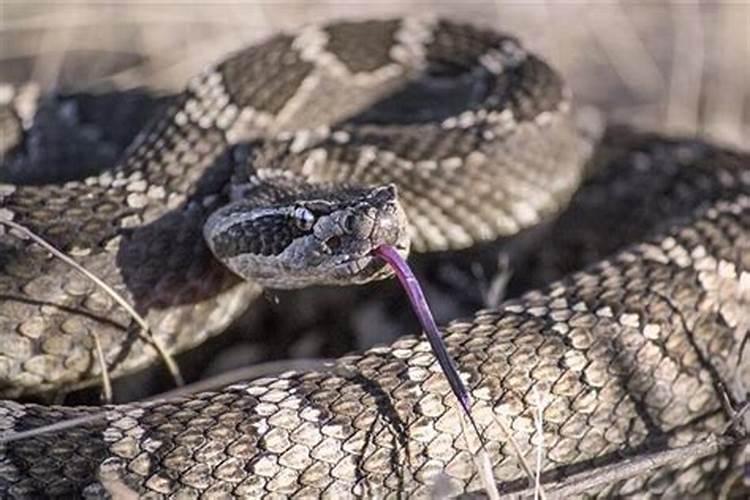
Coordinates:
636 466
737 417
539 424
147 333
627 468
481 460
106 382
248 373
517 450
71 423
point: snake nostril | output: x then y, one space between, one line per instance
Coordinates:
350 223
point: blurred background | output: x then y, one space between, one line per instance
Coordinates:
682 68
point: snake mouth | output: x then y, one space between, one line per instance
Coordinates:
386 270
401 247
382 222
368 266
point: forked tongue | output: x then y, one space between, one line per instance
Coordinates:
424 315
426 320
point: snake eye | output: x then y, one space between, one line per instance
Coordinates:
304 219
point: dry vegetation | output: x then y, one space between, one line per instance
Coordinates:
682 66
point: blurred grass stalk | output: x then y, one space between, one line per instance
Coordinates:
678 66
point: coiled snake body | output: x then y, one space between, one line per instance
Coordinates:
423 134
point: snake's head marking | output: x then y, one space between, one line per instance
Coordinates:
324 235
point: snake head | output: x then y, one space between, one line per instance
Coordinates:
319 235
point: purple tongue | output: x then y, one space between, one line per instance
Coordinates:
422 310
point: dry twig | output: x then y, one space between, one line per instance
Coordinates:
146 331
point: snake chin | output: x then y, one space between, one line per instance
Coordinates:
312 240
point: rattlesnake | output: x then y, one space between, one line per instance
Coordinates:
427 134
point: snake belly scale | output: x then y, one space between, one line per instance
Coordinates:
289 162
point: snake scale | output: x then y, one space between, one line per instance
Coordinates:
321 145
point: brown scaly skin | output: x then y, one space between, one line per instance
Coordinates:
639 353
139 226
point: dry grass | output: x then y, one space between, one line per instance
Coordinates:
673 66
170 363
